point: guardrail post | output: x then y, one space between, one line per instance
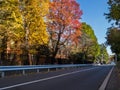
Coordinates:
38 71
48 69
23 72
56 68
63 68
2 74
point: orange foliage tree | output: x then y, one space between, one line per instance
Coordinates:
63 23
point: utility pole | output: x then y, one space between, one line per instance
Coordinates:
115 58
102 58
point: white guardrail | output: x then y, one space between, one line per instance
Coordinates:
24 68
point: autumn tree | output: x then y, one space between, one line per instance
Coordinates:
22 26
10 24
63 23
34 25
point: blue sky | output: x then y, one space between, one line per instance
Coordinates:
93 14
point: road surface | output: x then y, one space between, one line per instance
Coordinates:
71 79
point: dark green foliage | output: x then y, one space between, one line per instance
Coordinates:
113 39
88 48
43 50
114 11
113 33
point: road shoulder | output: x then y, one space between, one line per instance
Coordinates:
114 81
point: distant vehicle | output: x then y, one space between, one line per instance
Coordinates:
112 63
99 64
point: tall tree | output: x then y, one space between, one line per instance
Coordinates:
113 32
90 41
63 23
114 11
10 23
34 26
88 47
113 35
103 54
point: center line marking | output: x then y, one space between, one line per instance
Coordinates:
44 79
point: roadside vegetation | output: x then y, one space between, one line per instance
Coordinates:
34 32
113 33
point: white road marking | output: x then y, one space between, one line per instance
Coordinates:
44 79
104 84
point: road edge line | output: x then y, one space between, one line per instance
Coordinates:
104 84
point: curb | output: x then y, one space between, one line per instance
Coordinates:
104 84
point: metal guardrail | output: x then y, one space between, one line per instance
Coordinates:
24 68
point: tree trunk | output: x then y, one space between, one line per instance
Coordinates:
53 59
18 59
30 59
4 50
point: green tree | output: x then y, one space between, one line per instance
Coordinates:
88 48
90 42
103 54
114 11
113 35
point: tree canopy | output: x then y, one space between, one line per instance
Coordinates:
113 32
22 25
113 35
88 47
103 56
114 11
63 23
90 41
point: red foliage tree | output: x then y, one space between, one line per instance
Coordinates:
63 23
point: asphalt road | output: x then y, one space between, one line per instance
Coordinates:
71 79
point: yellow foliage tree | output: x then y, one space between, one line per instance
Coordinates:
10 26
23 23
33 17
33 13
